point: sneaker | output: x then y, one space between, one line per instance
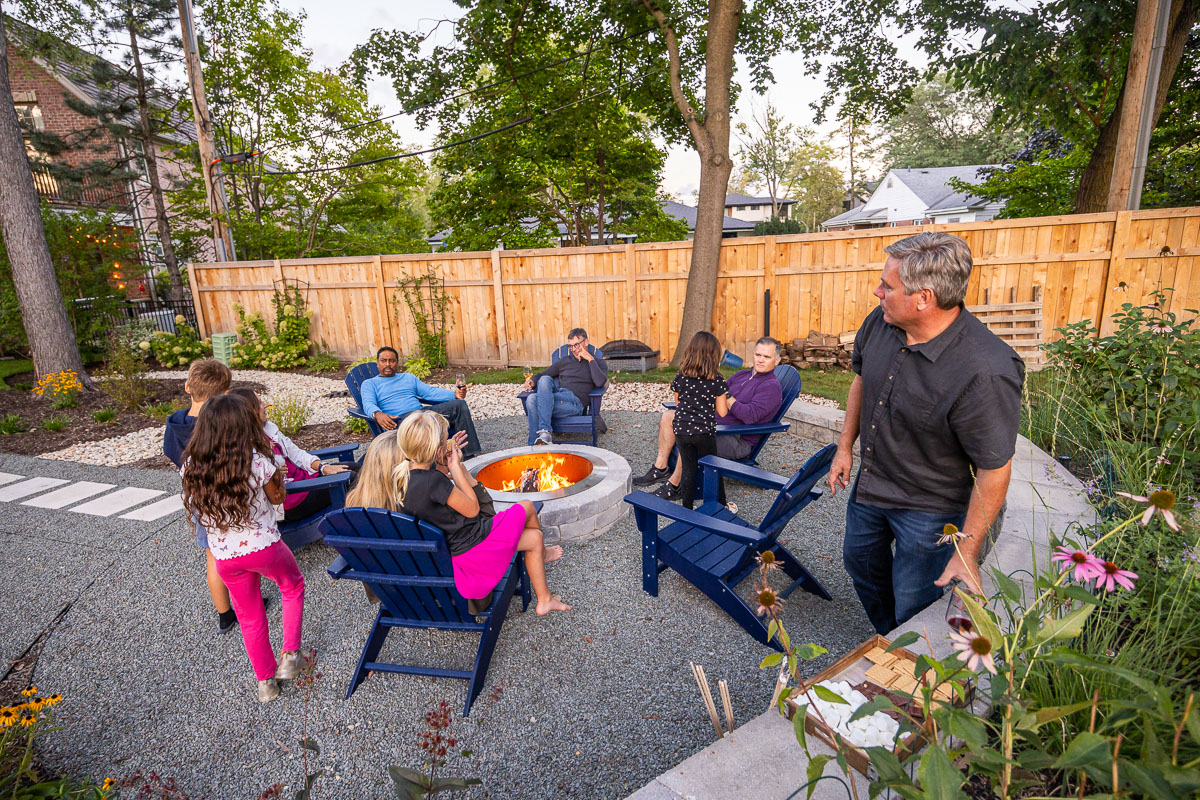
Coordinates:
652 476
290 664
226 620
268 690
544 437
668 491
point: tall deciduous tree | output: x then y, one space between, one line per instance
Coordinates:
946 127
769 146
47 328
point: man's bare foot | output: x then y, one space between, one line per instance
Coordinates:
552 553
555 603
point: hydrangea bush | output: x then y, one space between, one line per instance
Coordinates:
178 349
285 347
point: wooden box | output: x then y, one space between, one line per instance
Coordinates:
853 668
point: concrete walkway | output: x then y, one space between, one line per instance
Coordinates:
762 759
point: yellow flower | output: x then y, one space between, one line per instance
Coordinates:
7 717
27 722
52 700
30 692
108 784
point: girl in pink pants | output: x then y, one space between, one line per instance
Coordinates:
231 484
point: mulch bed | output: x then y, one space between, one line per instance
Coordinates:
34 410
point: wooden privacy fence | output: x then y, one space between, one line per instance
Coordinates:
516 306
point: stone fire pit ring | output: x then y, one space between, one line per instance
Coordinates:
580 512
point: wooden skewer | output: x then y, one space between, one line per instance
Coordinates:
706 695
727 702
780 685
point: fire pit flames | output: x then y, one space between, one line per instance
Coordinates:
535 472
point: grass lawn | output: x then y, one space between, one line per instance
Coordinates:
833 384
14 367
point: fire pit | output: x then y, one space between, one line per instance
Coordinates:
582 488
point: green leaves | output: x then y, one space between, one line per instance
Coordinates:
903 640
808 651
940 779
1067 626
798 725
828 695
981 618
1086 750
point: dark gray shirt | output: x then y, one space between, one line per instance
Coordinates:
578 375
933 411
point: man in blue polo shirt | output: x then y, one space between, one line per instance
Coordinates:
391 396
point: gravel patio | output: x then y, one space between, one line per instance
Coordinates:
590 704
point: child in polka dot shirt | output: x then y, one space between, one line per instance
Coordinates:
700 395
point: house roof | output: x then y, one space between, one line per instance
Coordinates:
932 185
79 74
857 214
688 215
735 199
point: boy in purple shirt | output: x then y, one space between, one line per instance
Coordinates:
755 398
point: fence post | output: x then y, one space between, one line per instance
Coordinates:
769 259
1114 267
633 319
498 301
194 285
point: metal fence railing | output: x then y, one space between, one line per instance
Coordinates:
114 312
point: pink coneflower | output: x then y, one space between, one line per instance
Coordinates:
1086 565
974 650
1121 287
1109 577
950 533
1161 501
1161 330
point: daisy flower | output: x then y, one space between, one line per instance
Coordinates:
1110 577
1161 501
1161 330
1086 565
950 533
974 649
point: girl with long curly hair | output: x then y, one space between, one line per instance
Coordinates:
231 484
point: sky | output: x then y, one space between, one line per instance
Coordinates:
334 27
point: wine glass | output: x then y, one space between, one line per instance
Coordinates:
460 381
528 375
956 612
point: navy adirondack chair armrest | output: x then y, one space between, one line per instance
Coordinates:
336 484
344 452
359 413
747 430
669 405
338 568
742 472
595 397
658 507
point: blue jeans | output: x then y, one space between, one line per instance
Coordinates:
548 401
893 588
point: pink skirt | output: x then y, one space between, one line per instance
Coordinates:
477 571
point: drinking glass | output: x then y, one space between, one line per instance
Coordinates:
460 381
956 612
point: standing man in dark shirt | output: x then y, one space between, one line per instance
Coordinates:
937 403
562 388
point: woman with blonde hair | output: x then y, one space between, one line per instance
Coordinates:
422 473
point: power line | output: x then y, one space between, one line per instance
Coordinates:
462 94
515 123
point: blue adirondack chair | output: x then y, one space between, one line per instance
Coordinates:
407 565
714 549
354 382
789 382
297 534
590 422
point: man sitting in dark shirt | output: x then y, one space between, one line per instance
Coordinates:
562 388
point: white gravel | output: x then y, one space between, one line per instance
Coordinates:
487 401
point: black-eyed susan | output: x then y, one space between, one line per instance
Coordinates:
28 720
8 716
30 692
51 700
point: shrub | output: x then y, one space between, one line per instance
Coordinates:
105 415
324 362
282 349
289 412
365 358
419 368
160 411
354 425
180 348
61 388
125 373
55 423
12 423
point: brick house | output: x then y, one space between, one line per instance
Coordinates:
39 93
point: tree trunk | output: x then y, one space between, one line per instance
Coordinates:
47 327
1092 195
711 139
147 138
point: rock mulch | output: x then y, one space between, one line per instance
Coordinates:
329 400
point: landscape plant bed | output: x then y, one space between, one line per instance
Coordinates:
80 426
310 437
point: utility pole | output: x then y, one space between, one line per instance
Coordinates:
222 238
1137 106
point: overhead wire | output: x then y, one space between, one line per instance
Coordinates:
467 140
462 94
